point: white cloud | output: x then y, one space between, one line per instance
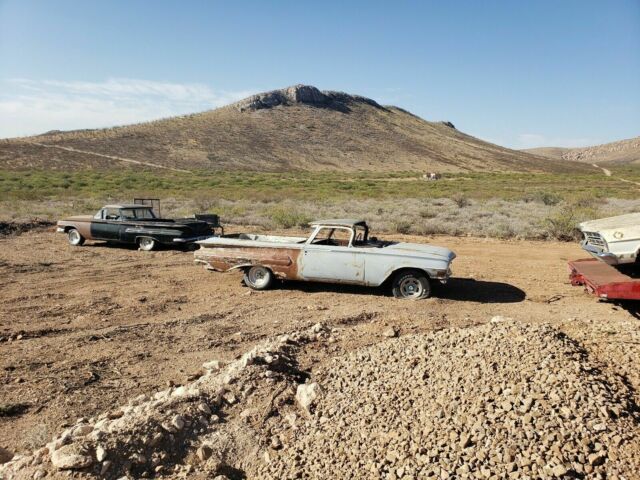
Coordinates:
533 140
29 107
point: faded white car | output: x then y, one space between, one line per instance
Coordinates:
614 240
337 251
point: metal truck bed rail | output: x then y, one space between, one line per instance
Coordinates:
603 280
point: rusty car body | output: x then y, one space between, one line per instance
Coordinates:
613 240
133 224
336 251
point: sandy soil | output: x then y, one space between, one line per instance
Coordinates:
84 329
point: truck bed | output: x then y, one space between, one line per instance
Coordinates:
251 240
602 280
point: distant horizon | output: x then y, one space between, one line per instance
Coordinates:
541 74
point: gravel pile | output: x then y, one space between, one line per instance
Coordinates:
208 428
502 400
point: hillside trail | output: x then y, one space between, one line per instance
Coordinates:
112 157
608 174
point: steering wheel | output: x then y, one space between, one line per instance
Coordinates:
359 237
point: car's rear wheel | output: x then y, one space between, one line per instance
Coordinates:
146 244
411 285
258 277
75 238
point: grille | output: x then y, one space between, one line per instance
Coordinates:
594 238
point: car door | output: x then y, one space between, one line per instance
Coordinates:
108 226
330 257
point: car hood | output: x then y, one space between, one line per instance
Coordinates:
420 250
610 223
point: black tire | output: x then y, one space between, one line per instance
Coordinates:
74 237
147 244
411 285
258 277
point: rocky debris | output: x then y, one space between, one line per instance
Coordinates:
448 124
213 365
307 394
390 332
304 94
72 456
197 427
503 400
607 151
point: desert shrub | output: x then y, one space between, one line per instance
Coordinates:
586 202
402 226
460 200
288 218
427 213
546 198
433 229
563 224
502 231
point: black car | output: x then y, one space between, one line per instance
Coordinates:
137 225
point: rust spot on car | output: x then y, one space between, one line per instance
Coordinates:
80 223
283 262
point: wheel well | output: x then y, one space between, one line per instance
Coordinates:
246 268
69 227
146 236
392 275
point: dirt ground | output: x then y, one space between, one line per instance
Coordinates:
85 329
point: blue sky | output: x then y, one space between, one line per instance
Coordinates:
521 74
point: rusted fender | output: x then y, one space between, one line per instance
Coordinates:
284 262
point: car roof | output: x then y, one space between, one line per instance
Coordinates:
339 222
127 205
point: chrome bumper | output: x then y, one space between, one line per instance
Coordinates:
606 257
443 275
60 229
191 239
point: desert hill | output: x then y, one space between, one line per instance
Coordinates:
620 152
297 128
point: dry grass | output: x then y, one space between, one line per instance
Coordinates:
483 218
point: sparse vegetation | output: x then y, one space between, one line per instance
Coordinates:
547 198
495 205
460 200
561 225
350 136
284 217
402 226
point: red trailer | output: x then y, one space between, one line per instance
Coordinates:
603 280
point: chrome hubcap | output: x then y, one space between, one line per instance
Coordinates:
74 236
146 243
411 287
258 276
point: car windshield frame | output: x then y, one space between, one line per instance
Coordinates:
149 215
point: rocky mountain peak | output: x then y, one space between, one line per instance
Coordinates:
305 94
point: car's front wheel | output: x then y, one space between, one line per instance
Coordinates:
146 244
411 285
75 238
258 278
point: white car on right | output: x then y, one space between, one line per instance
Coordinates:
614 240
